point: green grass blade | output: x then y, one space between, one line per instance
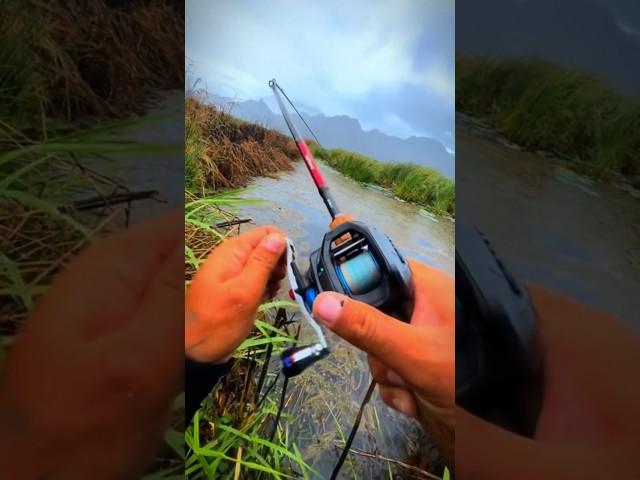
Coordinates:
277 304
46 207
19 288
9 179
176 441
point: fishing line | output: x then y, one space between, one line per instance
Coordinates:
354 430
299 114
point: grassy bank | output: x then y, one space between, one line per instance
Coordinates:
224 152
409 182
78 62
543 106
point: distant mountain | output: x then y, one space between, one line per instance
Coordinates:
345 132
576 33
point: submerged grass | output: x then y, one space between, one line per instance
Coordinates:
544 106
413 183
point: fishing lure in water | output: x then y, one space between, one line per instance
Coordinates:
354 259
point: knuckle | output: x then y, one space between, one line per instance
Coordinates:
238 295
364 326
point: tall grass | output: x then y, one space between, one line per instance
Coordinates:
540 105
413 183
224 152
83 60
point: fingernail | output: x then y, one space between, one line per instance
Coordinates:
274 242
328 309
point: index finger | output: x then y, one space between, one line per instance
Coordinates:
229 258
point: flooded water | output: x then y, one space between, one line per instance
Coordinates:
162 172
326 398
292 203
555 227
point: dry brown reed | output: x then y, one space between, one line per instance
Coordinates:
229 152
98 61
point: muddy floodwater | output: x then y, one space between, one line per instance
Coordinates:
555 227
326 397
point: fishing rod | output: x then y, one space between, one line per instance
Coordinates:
354 259
307 156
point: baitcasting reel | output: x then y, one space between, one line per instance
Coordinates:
357 261
499 370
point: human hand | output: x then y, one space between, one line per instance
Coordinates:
413 363
90 380
223 298
589 423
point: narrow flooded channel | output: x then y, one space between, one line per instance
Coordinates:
555 227
326 398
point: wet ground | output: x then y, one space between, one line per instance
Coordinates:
326 399
554 226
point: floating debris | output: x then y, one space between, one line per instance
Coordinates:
377 188
579 181
429 215
627 187
508 144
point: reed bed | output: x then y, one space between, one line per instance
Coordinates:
73 61
544 106
413 183
224 152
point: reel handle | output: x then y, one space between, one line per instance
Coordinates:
296 360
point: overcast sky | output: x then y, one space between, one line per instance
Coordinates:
390 64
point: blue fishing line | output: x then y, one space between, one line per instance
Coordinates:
360 274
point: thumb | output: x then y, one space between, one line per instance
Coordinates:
261 263
366 328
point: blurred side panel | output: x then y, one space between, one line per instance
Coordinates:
91 245
548 238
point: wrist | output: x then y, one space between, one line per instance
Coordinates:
198 356
201 346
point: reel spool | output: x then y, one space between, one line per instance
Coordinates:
357 261
359 274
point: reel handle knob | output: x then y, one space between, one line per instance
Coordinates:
295 360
